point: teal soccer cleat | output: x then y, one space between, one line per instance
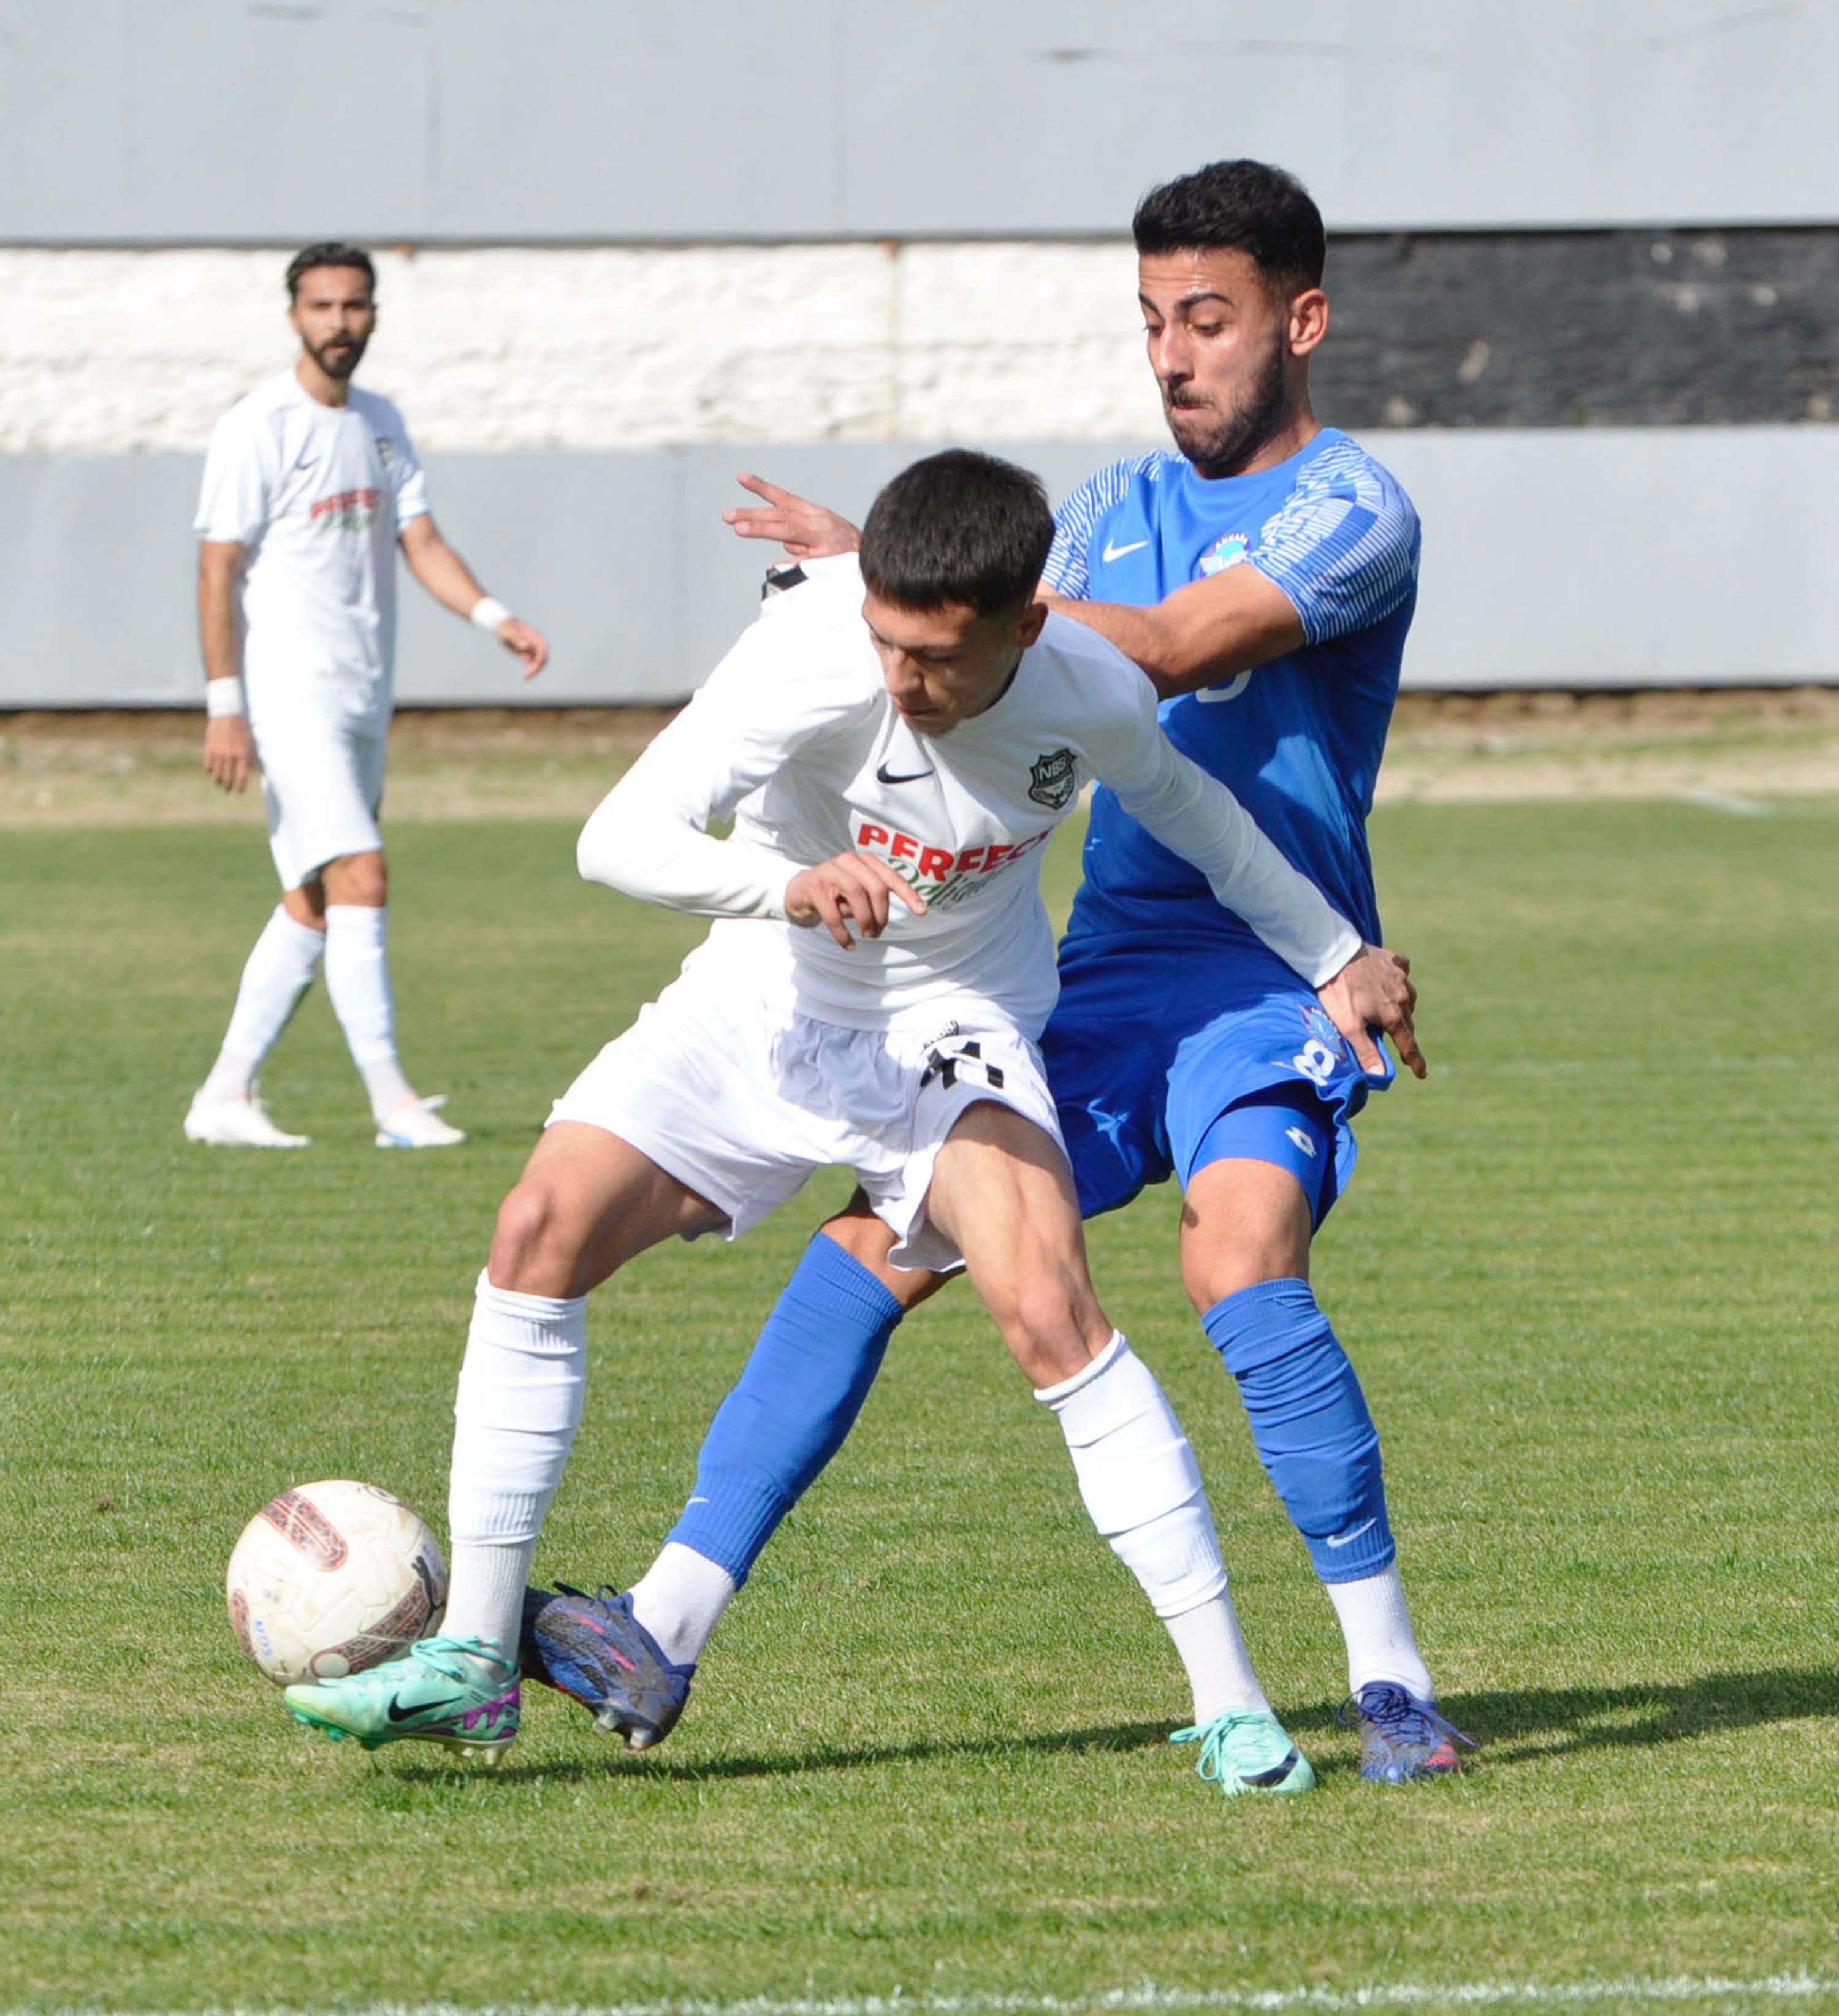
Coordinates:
1248 1751
453 1691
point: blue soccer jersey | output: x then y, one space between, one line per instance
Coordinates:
1174 1020
1299 740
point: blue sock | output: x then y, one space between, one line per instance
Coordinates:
797 1400
1309 1421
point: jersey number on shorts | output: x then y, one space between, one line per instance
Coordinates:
945 1067
1317 1061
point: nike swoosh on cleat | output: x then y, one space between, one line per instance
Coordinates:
398 1713
1348 1540
1117 552
885 775
1277 1773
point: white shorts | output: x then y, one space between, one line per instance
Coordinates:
741 1101
323 782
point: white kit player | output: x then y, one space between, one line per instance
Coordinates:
310 486
895 766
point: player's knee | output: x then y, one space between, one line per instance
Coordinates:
361 880
533 1244
1223 1268
1051 1328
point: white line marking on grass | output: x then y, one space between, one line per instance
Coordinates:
1115 2002
1728 802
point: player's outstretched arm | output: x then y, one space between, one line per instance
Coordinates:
229 749
1205 632
447 578
1361 987
1195 816
788 682
1373 991
808 531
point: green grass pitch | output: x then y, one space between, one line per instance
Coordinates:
1587 1272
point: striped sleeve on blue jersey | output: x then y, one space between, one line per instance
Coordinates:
1067 572
1345 547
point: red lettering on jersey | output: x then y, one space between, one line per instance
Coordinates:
346 500
998 852
968 860
935 863
905 848
871 835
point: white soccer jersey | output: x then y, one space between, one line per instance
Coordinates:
316 495
795 736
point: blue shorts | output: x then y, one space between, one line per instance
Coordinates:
1151 1044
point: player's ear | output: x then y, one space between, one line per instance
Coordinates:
1309 320
1027 630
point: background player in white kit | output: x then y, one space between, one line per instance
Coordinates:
919 763
309 486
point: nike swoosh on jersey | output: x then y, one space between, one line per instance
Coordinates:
885 775
398 1713
1117 552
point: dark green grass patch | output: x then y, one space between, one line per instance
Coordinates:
1588 1272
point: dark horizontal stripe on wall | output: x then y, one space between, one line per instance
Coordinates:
1548 329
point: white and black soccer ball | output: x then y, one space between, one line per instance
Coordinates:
328 1578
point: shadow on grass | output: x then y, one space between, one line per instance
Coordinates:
610 1762
1520 1726
1525 1723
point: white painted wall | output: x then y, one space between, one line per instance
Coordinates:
609 348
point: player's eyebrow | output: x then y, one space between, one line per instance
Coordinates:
937 655
1189 300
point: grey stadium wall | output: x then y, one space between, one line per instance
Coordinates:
1585 274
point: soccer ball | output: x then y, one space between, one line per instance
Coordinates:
328 1578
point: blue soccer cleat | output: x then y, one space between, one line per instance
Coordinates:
1402 1736
1248 1751
595 1650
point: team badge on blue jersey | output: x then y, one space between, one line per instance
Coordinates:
1051 779
1320 1025
1224 554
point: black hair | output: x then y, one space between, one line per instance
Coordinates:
958 528
328 252
1246 207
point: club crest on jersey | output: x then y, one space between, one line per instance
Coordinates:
1052 779
1224 554
386 450
1321 1029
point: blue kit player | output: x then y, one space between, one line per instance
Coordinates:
1264 577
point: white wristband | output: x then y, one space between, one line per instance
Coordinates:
221 697
488 613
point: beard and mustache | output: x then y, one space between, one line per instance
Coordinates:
1220 444
338 357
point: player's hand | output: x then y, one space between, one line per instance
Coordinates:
850 888
526 641
1373 990
807 530
229 751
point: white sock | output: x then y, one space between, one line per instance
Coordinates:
358 978
489 1582
1219 1667
1381 1645
279 970
519 1404
679 1599
1142 1487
